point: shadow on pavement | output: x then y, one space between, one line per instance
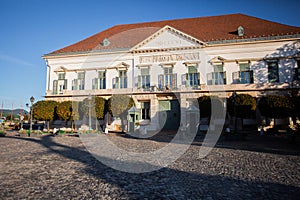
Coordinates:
169 183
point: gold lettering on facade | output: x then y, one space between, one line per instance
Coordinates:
169 58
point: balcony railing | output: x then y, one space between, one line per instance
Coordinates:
191 80
119 82
242 77
216 78
143 82
167 82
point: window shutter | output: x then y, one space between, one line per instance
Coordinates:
55 83
224 78
198 79
174 81
183 79
251 77
235 77
209 79
65 84
160 81
139 81
116 82
76 84
95 84
148 81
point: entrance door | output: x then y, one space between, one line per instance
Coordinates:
169 114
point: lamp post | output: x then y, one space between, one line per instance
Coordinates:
234 111
31 112
90 105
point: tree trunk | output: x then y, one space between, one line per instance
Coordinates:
48 125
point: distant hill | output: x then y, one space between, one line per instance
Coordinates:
6 112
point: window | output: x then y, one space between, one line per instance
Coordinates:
121 81
100 82
192 76
144 78
296 72
145 109
74 84
273 75
218 77
168 80
102 79
78 84
61 76
123 78
244 76
81 80
60 84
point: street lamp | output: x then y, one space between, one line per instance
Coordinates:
90 105
31 111
234 111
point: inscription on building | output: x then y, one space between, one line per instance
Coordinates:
169 58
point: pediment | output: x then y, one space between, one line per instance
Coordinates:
61 69
168 38
217 59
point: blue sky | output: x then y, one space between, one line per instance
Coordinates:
31 28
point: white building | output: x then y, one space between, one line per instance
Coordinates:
164 64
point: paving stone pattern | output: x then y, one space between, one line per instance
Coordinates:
50 167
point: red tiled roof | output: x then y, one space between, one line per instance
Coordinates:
206 29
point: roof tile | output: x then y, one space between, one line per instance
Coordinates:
206 29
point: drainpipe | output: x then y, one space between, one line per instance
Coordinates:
48 75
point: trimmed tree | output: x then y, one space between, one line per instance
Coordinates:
244 104
98 109
276 106
119 104
205 105
68 111
45 111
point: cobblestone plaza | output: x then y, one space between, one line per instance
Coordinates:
48 167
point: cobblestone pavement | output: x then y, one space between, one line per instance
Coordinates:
50 167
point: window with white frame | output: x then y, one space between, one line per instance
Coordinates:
145 110
167 80
78 84
121 80
100 82
273 73
60 84
144 78
296 72
192 77
218 76
245 75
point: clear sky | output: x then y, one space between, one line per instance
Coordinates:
31 28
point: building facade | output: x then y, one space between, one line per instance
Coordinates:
165 65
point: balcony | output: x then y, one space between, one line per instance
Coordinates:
191 81
167 82
119 82
242 77
143 83
216 78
